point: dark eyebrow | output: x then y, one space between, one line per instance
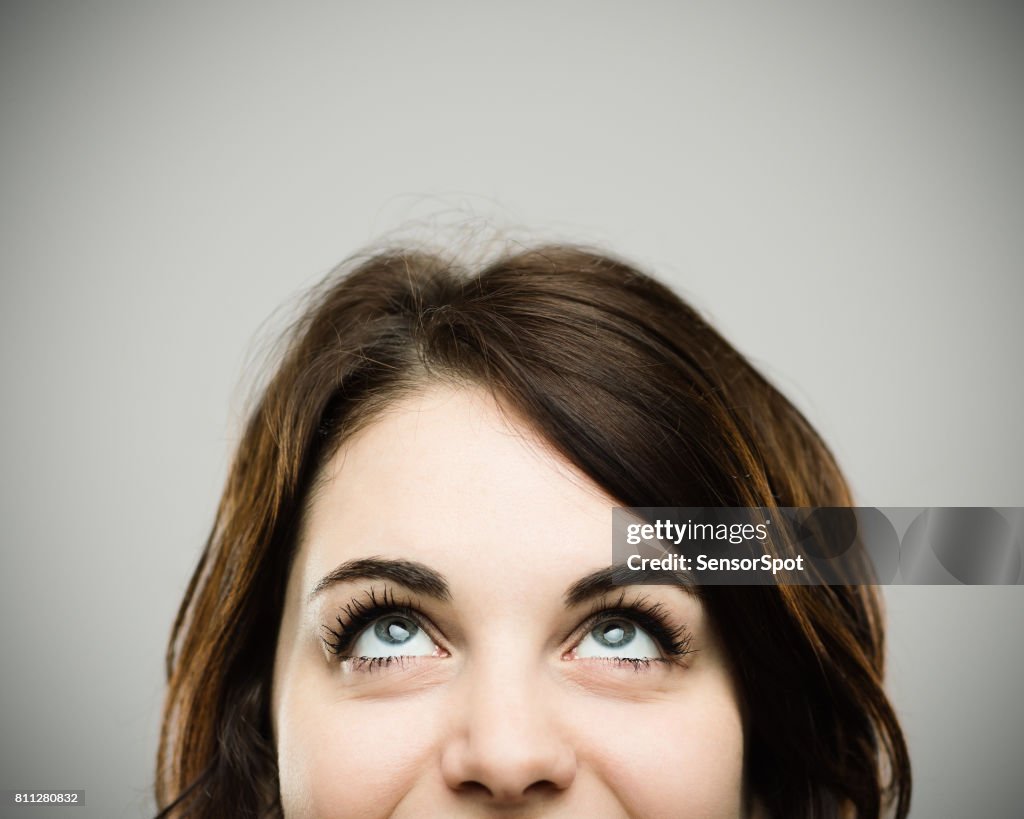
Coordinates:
612 577
416 577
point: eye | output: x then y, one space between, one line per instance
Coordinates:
393 635
618 637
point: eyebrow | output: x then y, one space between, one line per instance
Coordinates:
416 577
420 578
605 580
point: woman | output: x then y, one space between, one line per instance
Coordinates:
404 607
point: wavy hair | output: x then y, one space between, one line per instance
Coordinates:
630 385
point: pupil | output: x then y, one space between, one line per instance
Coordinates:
394 631
614 634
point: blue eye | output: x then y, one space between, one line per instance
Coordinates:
618 638
393 636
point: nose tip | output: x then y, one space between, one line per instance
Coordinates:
505 749
511 771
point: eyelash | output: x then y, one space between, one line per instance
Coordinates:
674 641
357 614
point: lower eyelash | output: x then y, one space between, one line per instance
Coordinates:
369 664
638 664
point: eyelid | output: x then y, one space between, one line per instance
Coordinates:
358 614
673 641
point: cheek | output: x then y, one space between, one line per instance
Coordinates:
676 759
353 759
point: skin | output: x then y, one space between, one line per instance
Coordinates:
499 709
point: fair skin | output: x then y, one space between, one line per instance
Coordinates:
490 691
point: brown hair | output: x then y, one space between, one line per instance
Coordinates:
628 383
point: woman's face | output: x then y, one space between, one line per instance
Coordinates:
450 648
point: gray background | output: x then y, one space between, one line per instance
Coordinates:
840 190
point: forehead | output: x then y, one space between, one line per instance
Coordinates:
444 477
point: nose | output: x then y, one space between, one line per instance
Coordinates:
504 744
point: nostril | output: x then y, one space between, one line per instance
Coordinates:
544 786
475 788
540 788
